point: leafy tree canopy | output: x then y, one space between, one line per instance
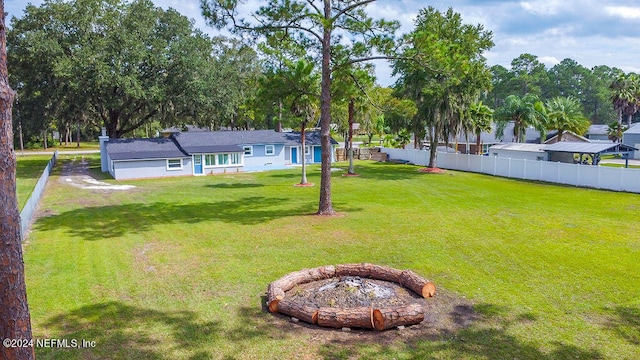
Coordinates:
122 65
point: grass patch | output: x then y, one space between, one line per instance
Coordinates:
28 172
176 268
620 165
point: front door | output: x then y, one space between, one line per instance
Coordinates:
317 154
197 164
294 155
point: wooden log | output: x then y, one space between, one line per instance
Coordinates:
391 317
276 289
304 276
417 284
369 271
359 317
274 295
306 313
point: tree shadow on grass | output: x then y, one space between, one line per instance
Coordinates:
234 185
625 323
122 331
389 171
100 222
478 332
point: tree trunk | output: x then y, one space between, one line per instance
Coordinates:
433 150
78 134
279 126
325 206
303 181
360 317
406 315
15 321
351 115
478 151
21 138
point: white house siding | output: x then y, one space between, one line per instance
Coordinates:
514 154
632 139
137 169
223 170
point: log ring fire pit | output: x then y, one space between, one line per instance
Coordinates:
366 317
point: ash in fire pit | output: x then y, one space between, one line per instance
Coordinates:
351 291
351 295
362 288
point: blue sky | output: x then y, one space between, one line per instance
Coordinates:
591 32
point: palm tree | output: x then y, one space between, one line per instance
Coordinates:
615 131
565 114
481 117
626 96
524 112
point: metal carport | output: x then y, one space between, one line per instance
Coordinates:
595 150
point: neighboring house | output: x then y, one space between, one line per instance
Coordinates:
598 132
207 152
631 137
533 152
569 136
490 139
563 151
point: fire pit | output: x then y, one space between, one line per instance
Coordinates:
351 295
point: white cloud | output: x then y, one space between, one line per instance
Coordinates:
625 12
549 61
547 7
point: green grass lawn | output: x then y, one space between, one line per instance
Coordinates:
177 268
28 172
620 165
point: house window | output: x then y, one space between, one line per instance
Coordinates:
223 159
210 160
174 164
269 150
307 150
235 158
248 150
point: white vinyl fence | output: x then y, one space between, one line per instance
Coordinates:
29 209
599 177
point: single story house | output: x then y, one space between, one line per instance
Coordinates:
562 151
208 152
598 132
526 151
489 139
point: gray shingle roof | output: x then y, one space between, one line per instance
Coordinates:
597 129
203 142
157 148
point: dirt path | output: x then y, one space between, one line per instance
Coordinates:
76 173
